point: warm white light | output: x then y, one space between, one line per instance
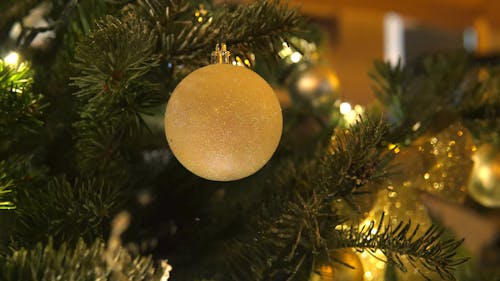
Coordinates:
15 31
296 57
308 83
359 109
484 175
286 51
12 58
416 126
351 117
345 108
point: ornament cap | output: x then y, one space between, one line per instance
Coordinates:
221 54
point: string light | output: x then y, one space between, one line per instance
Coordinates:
286 51
351 114
293 55
200 13
12 59
296 57
345 108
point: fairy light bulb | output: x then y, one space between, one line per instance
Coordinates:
11 59
345 108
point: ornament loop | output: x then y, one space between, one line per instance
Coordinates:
221 54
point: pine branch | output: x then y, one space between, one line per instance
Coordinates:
440 90
295 222
416 96
260 27
20 108
6 185
113 90
113 57
64 211
480 107
81 20
16 173
426 248
82 262
172 21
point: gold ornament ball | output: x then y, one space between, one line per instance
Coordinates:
316 86
335 271
223 122
484 184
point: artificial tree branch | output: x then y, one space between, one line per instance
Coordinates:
427 247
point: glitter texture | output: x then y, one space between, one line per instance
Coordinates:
223 122
447 162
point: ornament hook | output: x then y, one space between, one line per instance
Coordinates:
221 54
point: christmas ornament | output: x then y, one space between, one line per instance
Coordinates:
315 87
223 122
446 162
332 270
484 186
399 200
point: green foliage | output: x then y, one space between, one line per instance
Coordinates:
397 242
5 189
295 224
113 90
113 57
83 20
442 89
82 262
19 106
259 27
416 97
250 28
180 40
17 172
480 107
65 211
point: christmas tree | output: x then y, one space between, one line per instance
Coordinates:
90 188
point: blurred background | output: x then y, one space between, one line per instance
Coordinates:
356 32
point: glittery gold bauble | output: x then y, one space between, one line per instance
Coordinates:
316 86
334 271
223 122
446 162
484 185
